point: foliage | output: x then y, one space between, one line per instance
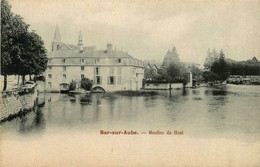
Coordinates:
211 58
172 70
149 73
249 67
196 72
170 57
22 52
220 67
216 67
72 85
86 84
209 76
39 78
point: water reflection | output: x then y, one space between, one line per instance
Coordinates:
33 122
199 111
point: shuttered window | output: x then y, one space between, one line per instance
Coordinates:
111 80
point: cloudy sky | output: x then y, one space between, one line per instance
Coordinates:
146 29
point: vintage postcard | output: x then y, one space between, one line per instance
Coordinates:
130 83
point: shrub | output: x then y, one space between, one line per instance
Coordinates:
86 84
72 85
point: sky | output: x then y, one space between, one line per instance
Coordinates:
147 29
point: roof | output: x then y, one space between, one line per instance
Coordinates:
87 53
152 64
57 37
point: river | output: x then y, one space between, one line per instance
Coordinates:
219 126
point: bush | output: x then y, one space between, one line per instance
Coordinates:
39 78
86 84
72 85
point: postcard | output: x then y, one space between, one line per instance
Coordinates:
130 83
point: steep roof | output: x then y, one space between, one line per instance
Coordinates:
152 64
57 37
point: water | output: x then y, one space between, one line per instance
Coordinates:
227 116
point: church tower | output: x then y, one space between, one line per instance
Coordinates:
56 44
80 43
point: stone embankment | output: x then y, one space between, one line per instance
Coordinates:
245 80
15 102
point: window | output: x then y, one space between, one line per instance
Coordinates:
119 80
96 71
82 68
119 60
64 68
119 70
49 76
82 76
64 76
49 67
49 84
111 80
49 60
65 86
58 47
82 60
63 60
98 80
111 70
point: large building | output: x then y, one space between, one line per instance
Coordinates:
109 69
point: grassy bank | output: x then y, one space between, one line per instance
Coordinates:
133 93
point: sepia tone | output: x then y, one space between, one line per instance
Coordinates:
135 83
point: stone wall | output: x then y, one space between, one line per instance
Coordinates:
249 79
17 101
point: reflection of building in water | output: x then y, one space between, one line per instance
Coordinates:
110 69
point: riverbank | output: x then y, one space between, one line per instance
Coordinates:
18 102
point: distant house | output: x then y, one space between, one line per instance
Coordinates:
110 69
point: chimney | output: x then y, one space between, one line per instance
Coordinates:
109 47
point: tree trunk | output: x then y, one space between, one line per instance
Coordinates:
18 80
23 79
5 82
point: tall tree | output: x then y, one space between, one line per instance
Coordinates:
33 59
6 40
220 67
212 56
171 60
22 52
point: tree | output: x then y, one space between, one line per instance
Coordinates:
220 67
86 84
33 59
6 40
22 52
196 72
171 65
210 59
149 73
72 85
12 30
170 57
